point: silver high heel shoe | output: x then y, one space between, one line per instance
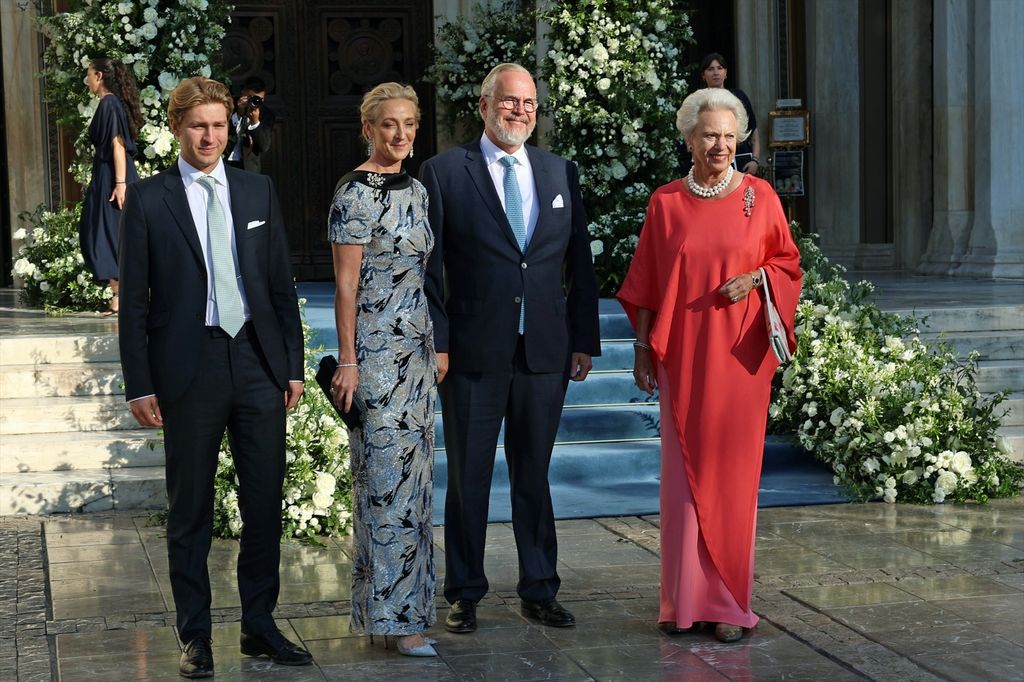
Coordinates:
424 650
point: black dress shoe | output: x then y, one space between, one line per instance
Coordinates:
197 658
276 646
461 617
549 613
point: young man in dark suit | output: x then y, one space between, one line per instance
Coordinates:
520 320
211 339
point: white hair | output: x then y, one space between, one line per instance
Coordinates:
488 86
711 99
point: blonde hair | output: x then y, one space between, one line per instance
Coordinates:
369 110
711 99
193 92
488 86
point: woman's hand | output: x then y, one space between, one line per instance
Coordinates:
643 370
117 196
442 366
750 168
343 387
739 287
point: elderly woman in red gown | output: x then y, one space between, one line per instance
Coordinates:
692 295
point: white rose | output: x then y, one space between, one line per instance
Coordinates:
946 481
889 496
910 477
960 463
148 31
325 482
322 500
167 81
44 286
871 465
23 267
149 14
604 84
205 71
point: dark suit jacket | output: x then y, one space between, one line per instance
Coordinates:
162 315
257 141
476 251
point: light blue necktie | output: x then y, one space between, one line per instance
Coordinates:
514 212
225 285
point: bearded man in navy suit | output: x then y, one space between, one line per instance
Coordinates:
211 339
513 300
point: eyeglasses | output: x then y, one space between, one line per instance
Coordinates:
512 103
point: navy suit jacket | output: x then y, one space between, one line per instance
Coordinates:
162 317
477 273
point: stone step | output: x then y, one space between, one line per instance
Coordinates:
992 345
1014 405
63 415
1000 375
61 379
83 490
32 350
592 424
81 450
606 388
990 318
1014 436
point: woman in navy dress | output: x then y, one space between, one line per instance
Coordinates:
112 131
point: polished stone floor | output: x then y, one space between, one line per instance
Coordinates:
845 592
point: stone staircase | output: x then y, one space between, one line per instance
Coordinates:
67 440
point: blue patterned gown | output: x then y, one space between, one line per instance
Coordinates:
392 454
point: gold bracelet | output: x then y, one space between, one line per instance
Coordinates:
348 364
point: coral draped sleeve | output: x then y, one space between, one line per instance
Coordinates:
715 352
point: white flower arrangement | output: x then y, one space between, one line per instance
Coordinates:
615 80
895 420
468 48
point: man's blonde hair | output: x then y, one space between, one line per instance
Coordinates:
193 92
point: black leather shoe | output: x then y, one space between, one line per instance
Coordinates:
197 658
461 617
549 613
276 646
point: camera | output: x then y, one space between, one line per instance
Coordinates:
253 103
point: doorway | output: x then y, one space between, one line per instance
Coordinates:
317 59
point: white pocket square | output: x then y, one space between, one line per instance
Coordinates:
255 223
558 202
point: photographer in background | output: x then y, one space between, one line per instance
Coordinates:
252 127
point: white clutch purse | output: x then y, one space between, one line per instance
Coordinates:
776 331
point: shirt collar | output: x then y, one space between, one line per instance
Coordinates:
493 153
190 173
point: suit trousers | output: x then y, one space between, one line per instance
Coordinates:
473 405
232 390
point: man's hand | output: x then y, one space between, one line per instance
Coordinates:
292 394
442 366
147 411
750 168
580 366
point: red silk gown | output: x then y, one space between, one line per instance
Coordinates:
716 358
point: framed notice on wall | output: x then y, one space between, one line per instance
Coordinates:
788 128
788 173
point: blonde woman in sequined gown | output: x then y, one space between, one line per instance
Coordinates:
381 241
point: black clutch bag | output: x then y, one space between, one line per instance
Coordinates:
328 366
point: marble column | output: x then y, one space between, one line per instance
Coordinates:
953 121
834 102
996 247
24 118
757 60
912 105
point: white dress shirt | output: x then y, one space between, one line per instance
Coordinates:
524 176
197 201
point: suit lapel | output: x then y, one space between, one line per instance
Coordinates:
477 169
177 204
544 191
239 209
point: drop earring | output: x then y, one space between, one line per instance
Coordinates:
370 148
412 152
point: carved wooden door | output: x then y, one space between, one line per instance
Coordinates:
317 59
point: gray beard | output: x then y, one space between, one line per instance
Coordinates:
495 124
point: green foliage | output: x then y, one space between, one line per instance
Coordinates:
468 48
615 77
51 266
318 483
895 419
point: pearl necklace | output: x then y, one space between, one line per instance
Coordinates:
709 192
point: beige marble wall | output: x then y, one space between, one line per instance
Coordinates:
28 180
833 84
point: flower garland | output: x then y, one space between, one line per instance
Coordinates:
467 48
894 419
615 79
